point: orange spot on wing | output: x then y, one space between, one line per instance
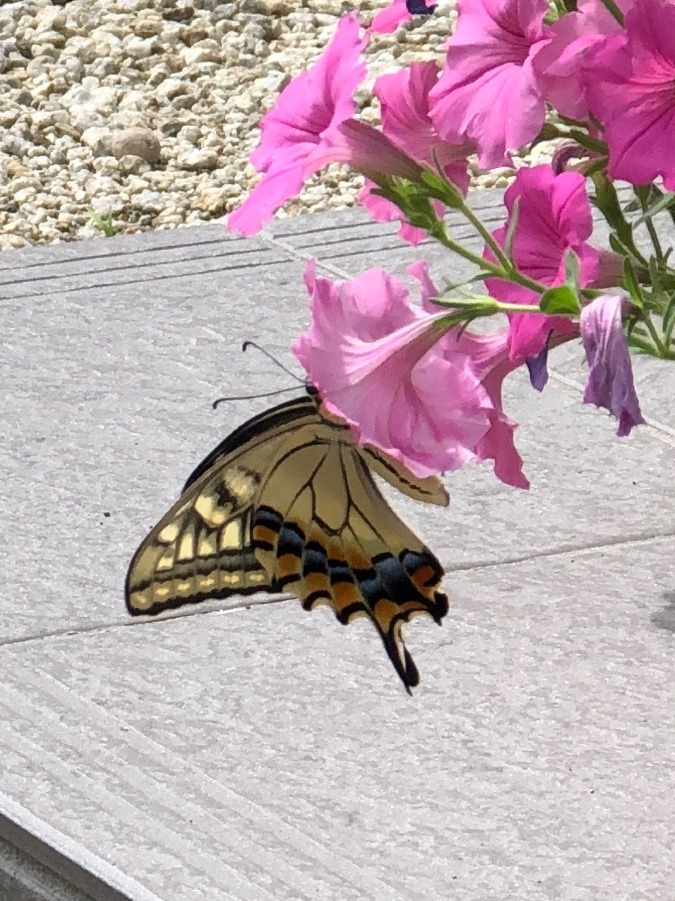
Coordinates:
316 582
262 533
345 594
384 613
357 560
423 578
287 565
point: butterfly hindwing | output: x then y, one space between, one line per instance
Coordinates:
328 536
287 503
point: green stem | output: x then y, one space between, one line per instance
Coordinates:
611 7
506 270
487 305
656 338
477 223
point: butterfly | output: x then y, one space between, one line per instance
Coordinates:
288 502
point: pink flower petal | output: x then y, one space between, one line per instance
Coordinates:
305 113
554 216
404 104
629 84
406 384
368 354
388 20
490 361
490 59
559 64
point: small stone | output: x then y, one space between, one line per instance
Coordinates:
190 134
132 164
179 14
212 200
136 141
150 201
13 242
98 139
203 52
196 160
192 34
8 117
14 168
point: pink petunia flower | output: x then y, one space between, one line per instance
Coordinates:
554 217
489 355
388 20
307 110
488 90
365 149
559 64
630 86
610 380
404 104
380 364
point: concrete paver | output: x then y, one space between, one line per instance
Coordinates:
257 751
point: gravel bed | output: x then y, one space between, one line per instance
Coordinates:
145 111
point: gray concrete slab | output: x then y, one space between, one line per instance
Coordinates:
260 752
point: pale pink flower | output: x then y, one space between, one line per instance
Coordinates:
610 380
380 365
488 90
554 217
489 355
559 63
404 105
630 86
388 20
306 112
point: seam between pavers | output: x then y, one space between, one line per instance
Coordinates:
134 818
566 550
653 427
68 858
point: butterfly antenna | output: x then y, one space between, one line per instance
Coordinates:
222 400
244 347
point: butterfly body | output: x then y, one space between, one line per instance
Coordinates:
287 502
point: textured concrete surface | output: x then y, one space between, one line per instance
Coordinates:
256 751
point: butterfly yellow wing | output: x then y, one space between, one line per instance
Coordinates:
323 531
287 503
202 547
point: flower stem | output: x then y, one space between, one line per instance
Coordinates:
506 270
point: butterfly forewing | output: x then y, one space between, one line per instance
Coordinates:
202 547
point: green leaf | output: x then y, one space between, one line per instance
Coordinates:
669 322
664 202
412 199
442 189
511 230
631 284
607 201
104 225
572 270
560 301
479 277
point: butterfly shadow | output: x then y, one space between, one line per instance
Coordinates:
665 618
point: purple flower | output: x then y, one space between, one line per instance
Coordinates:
388 20
610 380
